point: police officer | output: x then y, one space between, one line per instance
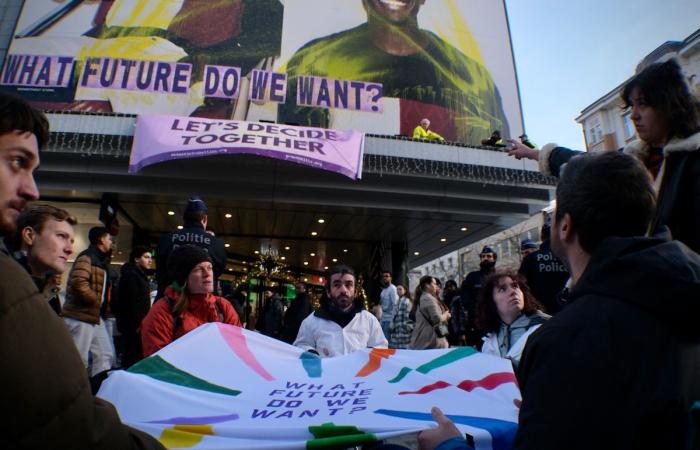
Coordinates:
193 233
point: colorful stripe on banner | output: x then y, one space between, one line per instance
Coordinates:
331 436
448 358
375 360
489 382
196 420
502 432
237 342
184 436
312 364
161 370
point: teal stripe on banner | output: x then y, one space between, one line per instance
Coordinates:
312 364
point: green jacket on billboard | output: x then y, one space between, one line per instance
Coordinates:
438 74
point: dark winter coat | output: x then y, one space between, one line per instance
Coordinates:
298 310
619 367
46 398
546 277
134 298
677 184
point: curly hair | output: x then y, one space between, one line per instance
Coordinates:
487 319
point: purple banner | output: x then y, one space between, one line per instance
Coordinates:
133 75
37 71
266 86
222 81
164 138
339 94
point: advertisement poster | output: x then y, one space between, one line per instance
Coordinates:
377 66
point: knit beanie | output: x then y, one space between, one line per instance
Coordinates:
183 259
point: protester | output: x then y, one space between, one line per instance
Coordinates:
388 299
134 302
526 141
621 360
270 323
494 140
507 314
188 301
422 132
469 291
341 325
194 232
45 241
458 321
87 290
299 310
401 324
667 119
45 390
431 328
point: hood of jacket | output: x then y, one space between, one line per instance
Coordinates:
659 276
641 149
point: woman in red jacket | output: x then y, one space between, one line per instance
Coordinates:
187 303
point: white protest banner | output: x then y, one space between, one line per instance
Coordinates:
224 387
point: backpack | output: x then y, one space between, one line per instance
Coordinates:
177 320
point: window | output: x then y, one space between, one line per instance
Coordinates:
627 124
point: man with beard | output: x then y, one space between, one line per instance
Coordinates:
341 325
46 398
428 75
470 292
618 367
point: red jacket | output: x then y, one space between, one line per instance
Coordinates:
157 327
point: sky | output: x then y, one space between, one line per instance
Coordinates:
568 54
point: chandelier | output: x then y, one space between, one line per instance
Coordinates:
270 262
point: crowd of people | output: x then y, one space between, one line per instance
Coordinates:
598 320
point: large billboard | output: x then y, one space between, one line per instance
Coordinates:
377 66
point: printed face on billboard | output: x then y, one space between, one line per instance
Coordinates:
378 66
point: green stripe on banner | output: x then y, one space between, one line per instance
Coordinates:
448 358
404 371
161 370
331 436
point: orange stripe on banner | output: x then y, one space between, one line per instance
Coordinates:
375 360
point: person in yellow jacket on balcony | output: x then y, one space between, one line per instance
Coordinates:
422 132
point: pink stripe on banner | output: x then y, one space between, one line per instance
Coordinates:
235 339
490 382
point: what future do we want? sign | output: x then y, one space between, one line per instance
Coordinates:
224 387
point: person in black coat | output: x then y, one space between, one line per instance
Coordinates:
545 274
134 302
298 310
618 367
